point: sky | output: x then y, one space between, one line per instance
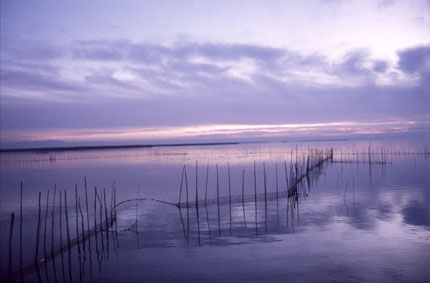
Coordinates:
117 72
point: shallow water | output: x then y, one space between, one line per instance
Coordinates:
353 221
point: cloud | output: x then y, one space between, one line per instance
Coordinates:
414 60
380 66
34 82
124 84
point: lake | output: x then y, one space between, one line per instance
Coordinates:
362 214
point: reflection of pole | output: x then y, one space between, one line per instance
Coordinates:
188 210
229 195
207 177
265 197
20 237
95 227
243 196
36 257
209 227
83 234
61 240
88 217
183 225
52 235
217 199
107 223
9 270
77 233
44 236
180 188
255 198
277 194
197 204
68 235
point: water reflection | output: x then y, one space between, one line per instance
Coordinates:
263 213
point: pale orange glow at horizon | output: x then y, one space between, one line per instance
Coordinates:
236 131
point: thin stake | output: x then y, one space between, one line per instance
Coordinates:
36 257
229 195
107 222
68 236
197 204
77 233
207 177
277 194
180 188
255 198
116 227
265 197
188 209
243 196
95 227
101 221
9 270
20 237
88 217
44 236
83 232
217 198
52 234
61 240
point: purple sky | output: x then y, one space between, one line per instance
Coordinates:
161 71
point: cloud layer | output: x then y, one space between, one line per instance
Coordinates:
105 83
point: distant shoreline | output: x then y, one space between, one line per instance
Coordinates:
102 147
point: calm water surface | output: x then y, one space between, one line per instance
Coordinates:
352 221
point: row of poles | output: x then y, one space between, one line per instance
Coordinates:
298 172
82 239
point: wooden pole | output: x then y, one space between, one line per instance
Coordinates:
243 196
20 237
36 257
44 237
69 248
9 270
217 198
255 198
229 196
197 204
52 234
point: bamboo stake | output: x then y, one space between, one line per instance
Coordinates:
9 270
180 188
197 204
101 221
68 236
277 194
243 196
188 211
61 240
107 223
116 227
255 198
95 227
83 233
88 217
36 257
207 177
52 234
229 196
44 236
20 237
77 233
217 198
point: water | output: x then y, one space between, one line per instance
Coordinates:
352 221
